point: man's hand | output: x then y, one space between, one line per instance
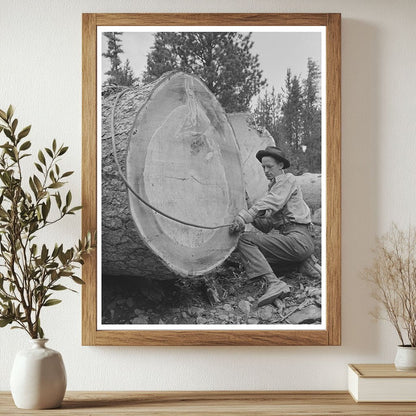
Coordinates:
238 225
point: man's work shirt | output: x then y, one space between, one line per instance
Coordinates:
283 203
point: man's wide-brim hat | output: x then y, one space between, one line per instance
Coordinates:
275 153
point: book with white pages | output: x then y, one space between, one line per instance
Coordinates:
381 383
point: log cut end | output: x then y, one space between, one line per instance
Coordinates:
184 160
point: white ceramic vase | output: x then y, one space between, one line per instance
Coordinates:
38 378
405 358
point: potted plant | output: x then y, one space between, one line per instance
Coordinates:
31 273
393 277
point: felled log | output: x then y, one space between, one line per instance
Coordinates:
250 140
311 184
181 156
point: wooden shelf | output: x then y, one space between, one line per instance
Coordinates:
178 403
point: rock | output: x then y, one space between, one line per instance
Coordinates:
130 302
252 321
245 306
306 315
223 317
227 307
112 305
201 320
266 313
313 291
140 320
251 299
280 305
139 312
184 315
195 311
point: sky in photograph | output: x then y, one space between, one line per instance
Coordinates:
277 52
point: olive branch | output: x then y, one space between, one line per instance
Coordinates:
31 274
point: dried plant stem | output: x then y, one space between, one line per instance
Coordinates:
393 276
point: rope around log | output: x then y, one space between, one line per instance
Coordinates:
141 199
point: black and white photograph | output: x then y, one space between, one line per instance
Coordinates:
211 171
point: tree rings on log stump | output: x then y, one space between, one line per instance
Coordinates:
183 159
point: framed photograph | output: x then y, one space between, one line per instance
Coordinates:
211 172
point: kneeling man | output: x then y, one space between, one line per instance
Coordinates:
282 209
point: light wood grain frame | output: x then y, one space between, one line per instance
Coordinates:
332 334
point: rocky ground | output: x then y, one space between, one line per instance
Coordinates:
224 297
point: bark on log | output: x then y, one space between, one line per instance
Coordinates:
183 159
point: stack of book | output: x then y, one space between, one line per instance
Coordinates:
381 383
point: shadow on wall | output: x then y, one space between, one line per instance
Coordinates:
360 180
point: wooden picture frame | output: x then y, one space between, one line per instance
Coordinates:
331 334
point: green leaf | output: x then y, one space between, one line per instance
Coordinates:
25 145
67 174
14 125
44 253
3 115
51 302
49 152
37 183
76 279
24 132
56 185
40 331
63 151
10 112
58 199
33 187
68 199
54 145
72 210
8 133
41 157
45 211
5 321
39 167
59 287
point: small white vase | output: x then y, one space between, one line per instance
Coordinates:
405 358
38 377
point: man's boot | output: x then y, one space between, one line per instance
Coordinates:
275 288
310 267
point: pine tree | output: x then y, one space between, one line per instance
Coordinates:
311 117
113 52
292 112
118 74
268 113
223 60
293 118
126 75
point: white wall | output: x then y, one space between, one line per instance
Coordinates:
40 73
